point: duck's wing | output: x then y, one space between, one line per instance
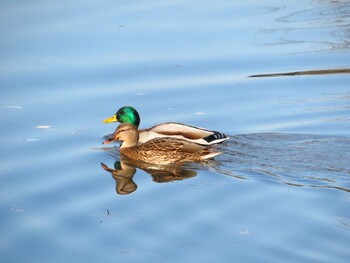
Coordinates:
169 144
181 131
181 146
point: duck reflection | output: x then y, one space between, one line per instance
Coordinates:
124 171
122 174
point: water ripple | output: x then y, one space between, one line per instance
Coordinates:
293 159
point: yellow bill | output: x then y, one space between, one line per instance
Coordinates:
110 119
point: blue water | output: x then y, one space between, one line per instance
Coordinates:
278 193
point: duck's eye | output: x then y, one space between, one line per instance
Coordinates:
123 130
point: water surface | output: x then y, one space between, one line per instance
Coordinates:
278 193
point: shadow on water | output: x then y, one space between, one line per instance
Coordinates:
296 160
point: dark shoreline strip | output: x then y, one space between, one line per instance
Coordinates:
300 73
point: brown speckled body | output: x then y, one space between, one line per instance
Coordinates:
166 150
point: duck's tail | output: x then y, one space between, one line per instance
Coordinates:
210 155
216 137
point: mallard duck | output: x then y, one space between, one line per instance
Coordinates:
162 151
170 129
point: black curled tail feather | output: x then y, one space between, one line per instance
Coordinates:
215 136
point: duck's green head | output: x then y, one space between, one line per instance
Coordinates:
125 114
